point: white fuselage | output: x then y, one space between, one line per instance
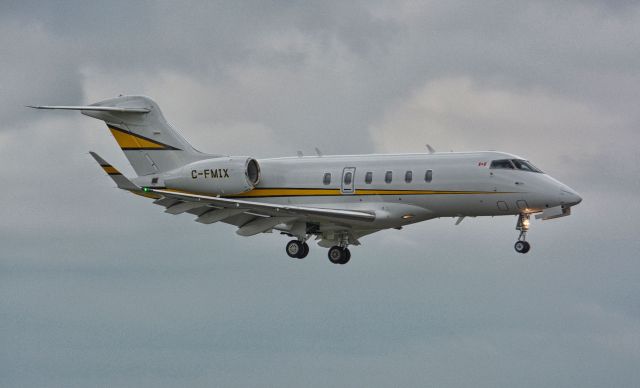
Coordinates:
460 184
400 189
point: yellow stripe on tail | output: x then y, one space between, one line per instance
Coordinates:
129 141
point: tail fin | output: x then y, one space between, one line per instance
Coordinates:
150 143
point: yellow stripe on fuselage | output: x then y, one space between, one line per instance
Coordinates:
284 192
281 192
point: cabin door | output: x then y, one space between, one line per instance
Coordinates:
348 178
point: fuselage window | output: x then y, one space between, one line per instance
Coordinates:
408 176
348 176
368 177
327 178
388 177
504 163
428 176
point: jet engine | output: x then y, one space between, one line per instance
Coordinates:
225 175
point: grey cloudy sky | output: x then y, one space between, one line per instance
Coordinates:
98 288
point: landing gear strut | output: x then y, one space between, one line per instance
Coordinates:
297 249
339 255
522 246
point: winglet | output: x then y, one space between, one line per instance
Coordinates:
123 182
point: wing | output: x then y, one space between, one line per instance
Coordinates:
257 217
250 217
267 209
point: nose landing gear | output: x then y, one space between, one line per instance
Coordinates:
522 246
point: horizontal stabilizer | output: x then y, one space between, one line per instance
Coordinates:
137 124
92 108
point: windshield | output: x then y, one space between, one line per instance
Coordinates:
515 164
526 166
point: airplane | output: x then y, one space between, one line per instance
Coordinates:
336 199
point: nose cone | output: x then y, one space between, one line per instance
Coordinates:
569 196
559 194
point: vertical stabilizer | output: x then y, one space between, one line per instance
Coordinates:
150 143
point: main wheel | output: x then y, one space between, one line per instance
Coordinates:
347 256
336 254
522 246
295 249
304 252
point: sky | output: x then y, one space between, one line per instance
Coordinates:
101 288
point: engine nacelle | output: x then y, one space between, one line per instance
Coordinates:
225 175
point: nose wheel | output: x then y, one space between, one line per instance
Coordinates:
522 246
297 249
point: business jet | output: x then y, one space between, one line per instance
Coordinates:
335 199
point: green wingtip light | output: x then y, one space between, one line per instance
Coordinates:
146 189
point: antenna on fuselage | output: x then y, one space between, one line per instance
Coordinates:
430 149
318 151
300 154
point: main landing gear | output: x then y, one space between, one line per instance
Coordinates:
339 255
297 249
522 246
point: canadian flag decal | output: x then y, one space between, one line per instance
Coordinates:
482 164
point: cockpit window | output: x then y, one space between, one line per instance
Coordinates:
512 164
504 163
525 166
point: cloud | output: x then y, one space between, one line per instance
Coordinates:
460 113
559 134
36 68
102 288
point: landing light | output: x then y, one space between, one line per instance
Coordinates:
525 223
407 216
